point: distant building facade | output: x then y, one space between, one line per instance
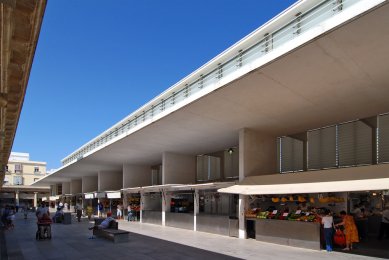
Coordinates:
21 171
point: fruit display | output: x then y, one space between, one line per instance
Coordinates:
252 213
297 215
263 214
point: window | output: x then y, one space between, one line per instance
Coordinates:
36 169
18 168
6 168
208 168
18 180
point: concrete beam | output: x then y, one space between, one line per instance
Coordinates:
136 175
89 184
178 168
257 153
110 180
75 187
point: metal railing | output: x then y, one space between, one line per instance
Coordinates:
301 23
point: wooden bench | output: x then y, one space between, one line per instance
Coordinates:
112 233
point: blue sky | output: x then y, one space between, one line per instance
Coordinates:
98 61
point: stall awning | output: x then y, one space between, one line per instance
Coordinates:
132 190
159 188
54 198
373 177
114 194
202 186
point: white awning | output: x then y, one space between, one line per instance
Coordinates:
89 195
202 186
373 177
53 198
132 190
159 188
114 195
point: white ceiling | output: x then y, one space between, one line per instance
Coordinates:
340 76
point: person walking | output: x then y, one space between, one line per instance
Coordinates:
129 213
350 230
384 227
119 211
79 211
328 223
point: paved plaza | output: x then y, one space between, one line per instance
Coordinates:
146 242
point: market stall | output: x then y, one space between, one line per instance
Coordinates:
132 198
286 208
291 219
152 206
213 212
180 209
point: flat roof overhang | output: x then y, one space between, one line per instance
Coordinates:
339 76
24 188
19 32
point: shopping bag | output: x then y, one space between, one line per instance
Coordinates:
339 238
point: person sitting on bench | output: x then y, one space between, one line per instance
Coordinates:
105 224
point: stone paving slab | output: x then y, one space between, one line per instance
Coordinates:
147 241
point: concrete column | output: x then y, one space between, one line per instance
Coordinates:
372 122
110 180
136 175
257 153
141 207
242 220
65 187
257 156
17 197
75 187
89 184
125 203
178 168
196 208
53 190
164 207
304 138
35 200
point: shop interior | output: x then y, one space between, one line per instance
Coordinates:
366 208
133 199
213 203
182 202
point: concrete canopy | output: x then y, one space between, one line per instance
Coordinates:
339 76
19 31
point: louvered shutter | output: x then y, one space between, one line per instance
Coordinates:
322 148
383 139
355 144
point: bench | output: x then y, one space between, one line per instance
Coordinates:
112 233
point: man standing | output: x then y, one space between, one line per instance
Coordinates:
384 228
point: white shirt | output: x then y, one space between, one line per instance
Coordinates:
327 221
41 211
385 214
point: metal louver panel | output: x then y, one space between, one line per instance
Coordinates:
383 139
291 154
322 148
354 144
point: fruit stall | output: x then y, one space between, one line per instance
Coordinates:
290 219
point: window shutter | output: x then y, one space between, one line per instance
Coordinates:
322 148
355 144
383 138
291 154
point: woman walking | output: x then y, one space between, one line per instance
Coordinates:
350 230
328 223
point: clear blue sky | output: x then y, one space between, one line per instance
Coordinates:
97 61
